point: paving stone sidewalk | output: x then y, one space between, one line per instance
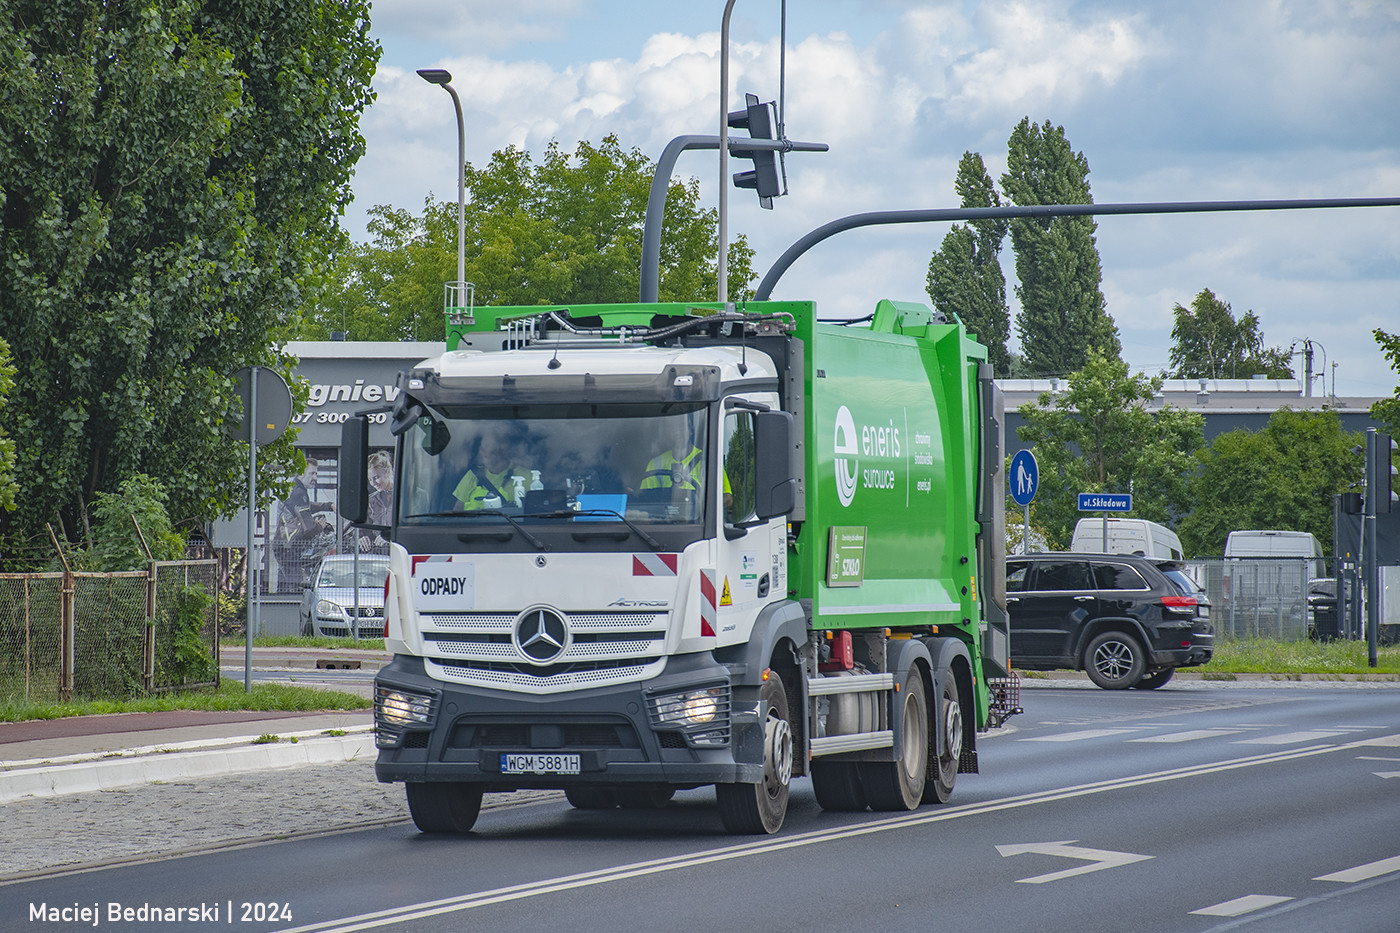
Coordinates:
52 833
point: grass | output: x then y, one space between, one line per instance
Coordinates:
1299 657
229 696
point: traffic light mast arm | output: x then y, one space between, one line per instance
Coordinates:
877 218
661 181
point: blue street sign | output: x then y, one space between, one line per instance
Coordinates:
1025 477
1105 502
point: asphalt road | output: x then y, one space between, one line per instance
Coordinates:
1202 808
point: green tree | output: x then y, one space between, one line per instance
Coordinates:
1282 477
169 173
1386 411
1099 436
565 230
1208 343
128 522
965 277
1063 313
8 486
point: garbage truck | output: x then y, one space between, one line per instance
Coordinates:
644 548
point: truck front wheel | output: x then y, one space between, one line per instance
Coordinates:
751 809
444 806
899 785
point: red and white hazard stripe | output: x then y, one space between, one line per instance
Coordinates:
708 611
655 565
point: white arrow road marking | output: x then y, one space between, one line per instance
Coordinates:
1101 858
1386 774
1364 872
1384 741
1241 905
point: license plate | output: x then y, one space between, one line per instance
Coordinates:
539 764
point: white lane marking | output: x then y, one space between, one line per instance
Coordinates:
1384 741
1190 736
1242 905
462 902
1099 859
1364 872
1292 738
1080 736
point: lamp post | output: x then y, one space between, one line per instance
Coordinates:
457 292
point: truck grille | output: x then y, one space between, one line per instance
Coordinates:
604 648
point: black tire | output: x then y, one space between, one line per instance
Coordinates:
899 785
753 809
444 806
591 798
1114 660
837 786
306 630
943 767
1155 679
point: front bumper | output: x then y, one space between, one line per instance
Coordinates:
621 734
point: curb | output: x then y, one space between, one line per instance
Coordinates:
166 763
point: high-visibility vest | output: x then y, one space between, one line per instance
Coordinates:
659 470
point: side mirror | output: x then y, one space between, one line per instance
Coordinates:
775 488
354 470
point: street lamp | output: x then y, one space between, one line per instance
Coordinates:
457 299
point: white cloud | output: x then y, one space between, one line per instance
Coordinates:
1173 100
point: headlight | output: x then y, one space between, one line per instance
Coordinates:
700 707
327 609
702 715
399 708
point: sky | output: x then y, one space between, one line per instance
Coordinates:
1177 100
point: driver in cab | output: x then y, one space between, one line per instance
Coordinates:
490 481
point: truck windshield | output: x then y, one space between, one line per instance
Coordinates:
584 463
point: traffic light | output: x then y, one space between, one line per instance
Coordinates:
760 120
1384 472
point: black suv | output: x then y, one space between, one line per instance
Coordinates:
1125 621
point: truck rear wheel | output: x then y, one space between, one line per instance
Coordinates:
899 785
751 809
939 788
444 806
837 786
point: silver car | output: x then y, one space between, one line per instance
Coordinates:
329 600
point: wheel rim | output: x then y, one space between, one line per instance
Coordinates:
777 763
952 729
1113 660
914 728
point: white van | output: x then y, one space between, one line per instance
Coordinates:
1277 544
1126 536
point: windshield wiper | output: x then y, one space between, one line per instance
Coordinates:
651 542
494 513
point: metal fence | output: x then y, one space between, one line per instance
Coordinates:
78 635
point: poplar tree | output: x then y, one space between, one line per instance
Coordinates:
965 277
1063 313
